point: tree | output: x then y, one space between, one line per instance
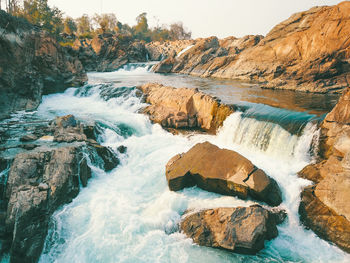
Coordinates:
84 26
141 28
70 26
106 22
177 31
39 13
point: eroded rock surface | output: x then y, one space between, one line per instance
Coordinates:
32 64
310 52
184 108
222 171
325 205
240 229
41 180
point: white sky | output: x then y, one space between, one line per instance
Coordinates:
204 18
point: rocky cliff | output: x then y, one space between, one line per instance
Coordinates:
108 52
325 205
310 52
32 63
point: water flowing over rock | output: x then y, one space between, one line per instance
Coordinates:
240 229
32 64
109 52
325 205
41 180
310 52
222 171
184 108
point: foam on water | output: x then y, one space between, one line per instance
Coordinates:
129 214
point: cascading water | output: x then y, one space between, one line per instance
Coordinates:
129 214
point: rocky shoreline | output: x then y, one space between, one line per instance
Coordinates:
40 180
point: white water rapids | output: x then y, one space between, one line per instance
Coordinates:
129 214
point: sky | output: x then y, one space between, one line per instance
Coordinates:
203 18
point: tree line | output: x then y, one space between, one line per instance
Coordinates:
52 19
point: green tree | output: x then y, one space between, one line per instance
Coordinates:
39 13
70 26
141 29
106 22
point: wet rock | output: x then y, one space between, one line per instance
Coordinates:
32 64
240 229
29 146
122 149
222 171
110 161
38 183
324 206
184 108
68 129
28 138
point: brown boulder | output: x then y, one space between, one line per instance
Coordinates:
183 108
324 207
221 171
240 229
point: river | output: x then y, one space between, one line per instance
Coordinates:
129 214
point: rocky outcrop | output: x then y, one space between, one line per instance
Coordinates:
108 52
310 52
222 171
160 50
41 180
32 64
240 229
325 206
183 108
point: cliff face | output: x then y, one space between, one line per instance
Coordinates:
325 206
310 51
109 52
32 64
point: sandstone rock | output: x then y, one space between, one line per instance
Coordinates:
309 52
32 64
324 207
184 108
159 50
221 171
240 229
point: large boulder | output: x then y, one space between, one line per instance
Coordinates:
184 108
240 229
222 171
32 63
310 52
40 181
158 50
324 206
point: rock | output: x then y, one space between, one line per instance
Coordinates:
324 206
309 52
122 149
110 161
158 50
41 181
29 146
164 66
107 52
221 171
184 108
32 63
28 138
38 183
240 229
